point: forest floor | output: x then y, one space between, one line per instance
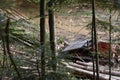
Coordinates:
70 22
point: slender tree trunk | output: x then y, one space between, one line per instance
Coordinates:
110 46
42 37
95 40
8 49
93 54
4 54
92 37
37 65
52 33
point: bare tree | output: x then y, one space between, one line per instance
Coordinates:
95 39
110 30
93 54
42 37
8 49
52 33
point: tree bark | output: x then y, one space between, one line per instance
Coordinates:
4 65
8 49
52 33
93 54
110 29
42 38
95 39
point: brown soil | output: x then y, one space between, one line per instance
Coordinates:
69 22
68 26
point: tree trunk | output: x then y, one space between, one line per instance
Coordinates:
42 38
110 46
52 33
8 49
95 39
93 54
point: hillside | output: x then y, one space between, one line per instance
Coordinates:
69 24
21 41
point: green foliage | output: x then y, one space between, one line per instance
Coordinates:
65 1
7 3
24 43
59 76
34 1
2 3
60 40
104 26
104 3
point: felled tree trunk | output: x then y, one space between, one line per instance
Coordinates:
87 70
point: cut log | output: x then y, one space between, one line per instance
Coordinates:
84 64
101 61
90 68
114 73
90 73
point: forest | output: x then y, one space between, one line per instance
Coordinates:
59 40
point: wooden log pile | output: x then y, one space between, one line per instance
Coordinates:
87 70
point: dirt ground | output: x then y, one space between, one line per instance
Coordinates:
70 23
67 25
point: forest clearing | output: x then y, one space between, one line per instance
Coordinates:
59 40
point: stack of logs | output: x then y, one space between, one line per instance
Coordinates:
86 69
